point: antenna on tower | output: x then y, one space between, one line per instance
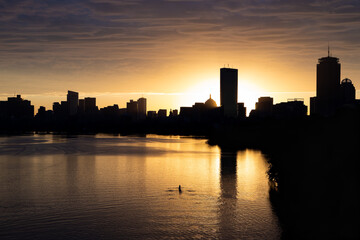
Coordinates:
328 49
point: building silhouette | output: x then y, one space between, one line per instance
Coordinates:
201 112
132 108
136 109
328 96
292 109
186 112
43 114
229 91
90 105
151 114
162 113
141 108
347 91
265 105
210 103
241 110
110 110
16 108
56 108
263 108
73 102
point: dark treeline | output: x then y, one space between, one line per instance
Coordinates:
314 171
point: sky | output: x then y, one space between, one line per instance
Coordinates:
171 51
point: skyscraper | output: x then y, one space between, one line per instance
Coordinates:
229 91
327 86
73 101
141 108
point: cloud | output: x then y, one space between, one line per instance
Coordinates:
82 35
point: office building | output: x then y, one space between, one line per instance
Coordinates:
263 108
90 105
152 114
16 108
264 105
65 108
141 108
293 108
132 108
328 95
186 112
241 111
43 114
347 91
73 101
162 113
229 91
110 111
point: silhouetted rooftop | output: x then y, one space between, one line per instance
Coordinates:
346 80
329 59
210 103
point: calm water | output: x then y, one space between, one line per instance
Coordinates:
110 187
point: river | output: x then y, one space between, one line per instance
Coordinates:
115 187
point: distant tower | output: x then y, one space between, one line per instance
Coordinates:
73 102
327 86
142 108
228 91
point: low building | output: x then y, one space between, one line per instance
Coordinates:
162 113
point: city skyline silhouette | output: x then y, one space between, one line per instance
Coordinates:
331 94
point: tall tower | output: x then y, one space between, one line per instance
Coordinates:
229 91
327 86
73 102
142 108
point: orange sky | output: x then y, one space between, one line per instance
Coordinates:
171 51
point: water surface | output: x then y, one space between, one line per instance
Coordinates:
111 187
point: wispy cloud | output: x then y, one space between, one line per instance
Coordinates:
82 35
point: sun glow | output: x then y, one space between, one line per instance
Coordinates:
200 92
248 94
